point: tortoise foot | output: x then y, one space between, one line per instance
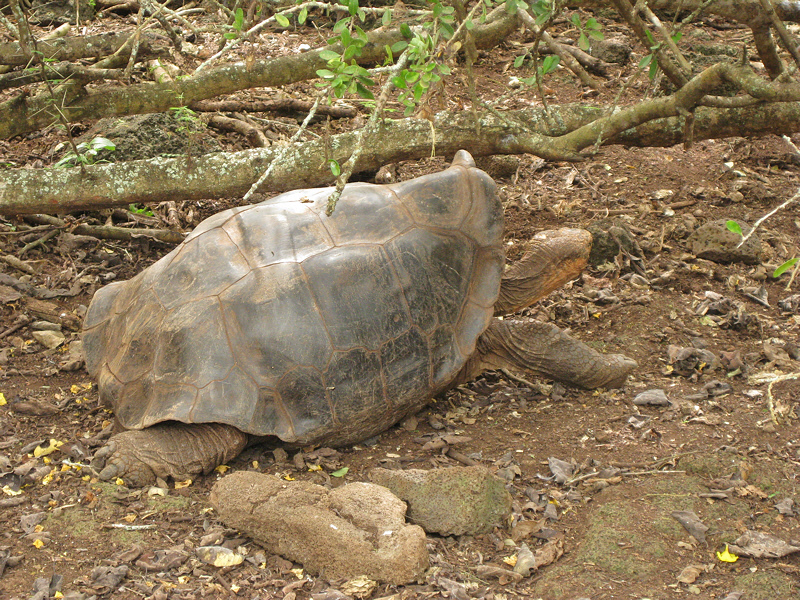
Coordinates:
174 450
543 349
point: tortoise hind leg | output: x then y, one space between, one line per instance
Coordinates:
543 349
176 450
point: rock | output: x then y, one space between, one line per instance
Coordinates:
613 50
219 556
49 339
354 530
74 358
714 241
145 136
450 501
655 397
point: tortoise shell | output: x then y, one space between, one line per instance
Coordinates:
280 320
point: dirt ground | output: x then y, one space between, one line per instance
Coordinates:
729 451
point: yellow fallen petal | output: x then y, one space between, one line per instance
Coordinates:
2 399
183 484
119 481
221 469
727 556
510 560
10 492
51 447
38 543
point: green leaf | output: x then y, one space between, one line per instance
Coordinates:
444 69
469 24
325 74
238 19
518 61
405 31
336 170
301 18
785 267
576 20
734 227
101 143
230 36
645 61
511 6
364 92
677 37
386 19
282 20
549 63
596 34
343 471
352 6
398 47
350 53
328 55
341 25
399 82
583 42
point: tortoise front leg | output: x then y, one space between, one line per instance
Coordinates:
176 450
543 349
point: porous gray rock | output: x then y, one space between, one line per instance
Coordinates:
450 501
612 50
714 241
49 339
354 530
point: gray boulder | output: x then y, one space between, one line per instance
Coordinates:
451 501
353 530
714 241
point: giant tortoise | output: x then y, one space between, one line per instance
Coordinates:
277 320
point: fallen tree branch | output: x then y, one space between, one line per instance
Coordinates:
82 47
532 130
109 232
23 114
285 105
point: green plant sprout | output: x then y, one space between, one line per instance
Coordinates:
140 210
87 153
591 30
238 22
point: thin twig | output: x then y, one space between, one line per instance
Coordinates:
365 132
770 379
557 49
285 149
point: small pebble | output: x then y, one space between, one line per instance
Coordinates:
655 397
